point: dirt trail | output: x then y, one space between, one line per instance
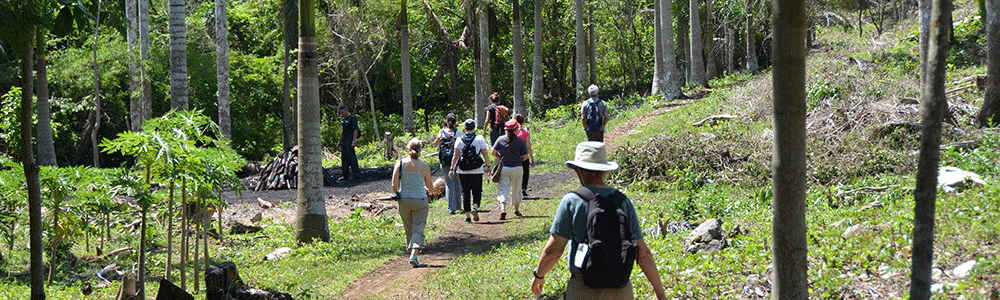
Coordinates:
396 279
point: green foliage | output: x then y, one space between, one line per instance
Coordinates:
10 121
817 91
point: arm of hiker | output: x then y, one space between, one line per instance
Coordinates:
606 117
531 153
644 257
486 158
428 182
550 256
354 141
395 176
454 161
437 140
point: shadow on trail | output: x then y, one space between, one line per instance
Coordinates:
459 243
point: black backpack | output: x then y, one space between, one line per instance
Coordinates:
446 149
470 159
611 250
595 119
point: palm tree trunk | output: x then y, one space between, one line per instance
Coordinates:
989 114
934 107
710 63
519 105
671 77
751 62
404 48
94 136
657 48
484 52
536 54
697 62
46 149
311 221
147 89
222 68
788 235
178 56
135 83
291 20
591 45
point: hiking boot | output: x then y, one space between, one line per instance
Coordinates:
475 216
468 220
415 263
524 193
475 207
518 213
503 216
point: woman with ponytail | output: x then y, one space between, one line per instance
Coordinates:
411 179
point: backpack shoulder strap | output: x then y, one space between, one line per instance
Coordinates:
585 193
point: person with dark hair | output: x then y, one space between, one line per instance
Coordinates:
530 161
509 151
445 142
594 115
496 115
592 275
411 180
349 133
471 156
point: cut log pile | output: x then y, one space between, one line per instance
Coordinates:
281 173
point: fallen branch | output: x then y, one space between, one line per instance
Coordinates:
94 259
962 146
713 119
869 189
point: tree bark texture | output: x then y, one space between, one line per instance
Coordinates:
46 149
934 107
788 225
291 30
311 221
681 40
710 63
581 53
519 104
178 56
536 62
751 62
697 61
591 45
135 83
657 48
989 114
484 55
404 48
222 67
671 77
146 107
94 136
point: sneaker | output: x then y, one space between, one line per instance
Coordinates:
468 220
518 213
475 216
414 262
475 207
503 216
524 193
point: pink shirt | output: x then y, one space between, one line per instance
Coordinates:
523 134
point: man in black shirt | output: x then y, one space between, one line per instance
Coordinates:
348 136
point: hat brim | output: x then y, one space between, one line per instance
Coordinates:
590 166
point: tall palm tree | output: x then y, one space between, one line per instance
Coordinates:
581 52
135 84
310 218
146 105
989 114
178 55
404 48
697 63
519 105
670 85
222 67
657 48
789 249
934 107
289 10
536 55
484 53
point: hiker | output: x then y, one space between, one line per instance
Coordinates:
509 150
530 161
468 162
594 115
411 179
496 115
445 142
348 139
602 279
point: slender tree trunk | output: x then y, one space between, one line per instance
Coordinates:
536 54
178 56
53 245
222 68
697 52
30 168
371 102
790 251
484 50
404 48
286 116
657 48
135 83
671 76
147 88
519 105
311 221
196 223
730 50
291 21
170 232
94 136
681 40
591 45
581 53
989 114
710 63
751 63
46 149
934 108
185 235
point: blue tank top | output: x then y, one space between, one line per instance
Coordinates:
411 184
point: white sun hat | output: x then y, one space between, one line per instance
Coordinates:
592 156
